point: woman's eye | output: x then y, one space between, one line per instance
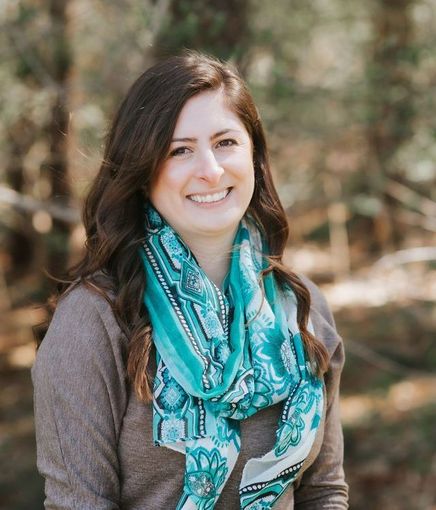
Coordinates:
179 151
228 142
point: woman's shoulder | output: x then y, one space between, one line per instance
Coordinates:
87 306
318 300
321 316
83 330
92 299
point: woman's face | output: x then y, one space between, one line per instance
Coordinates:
206 182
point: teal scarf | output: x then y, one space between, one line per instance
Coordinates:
221 357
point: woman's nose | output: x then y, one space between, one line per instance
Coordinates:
209 168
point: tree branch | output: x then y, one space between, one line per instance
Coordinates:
30 204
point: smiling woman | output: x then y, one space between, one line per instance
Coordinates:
181 327
205 185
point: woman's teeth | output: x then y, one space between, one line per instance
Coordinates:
215 197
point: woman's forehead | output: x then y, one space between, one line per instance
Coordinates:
206 111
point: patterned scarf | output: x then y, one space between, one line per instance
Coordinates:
221 357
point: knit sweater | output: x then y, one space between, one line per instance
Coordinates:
94 437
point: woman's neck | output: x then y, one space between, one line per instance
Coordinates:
213 255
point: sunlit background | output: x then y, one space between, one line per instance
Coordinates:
347 93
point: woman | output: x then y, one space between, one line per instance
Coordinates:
182 327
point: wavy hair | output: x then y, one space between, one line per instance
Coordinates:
137 143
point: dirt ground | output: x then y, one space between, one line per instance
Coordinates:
388 403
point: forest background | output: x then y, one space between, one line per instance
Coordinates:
347 93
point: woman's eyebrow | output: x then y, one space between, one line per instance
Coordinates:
216 135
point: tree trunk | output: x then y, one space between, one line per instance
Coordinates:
390 108
57 131
20 236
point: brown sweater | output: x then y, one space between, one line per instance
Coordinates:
94 438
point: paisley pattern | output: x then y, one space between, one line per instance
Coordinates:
221 357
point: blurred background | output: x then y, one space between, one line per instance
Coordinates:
347 93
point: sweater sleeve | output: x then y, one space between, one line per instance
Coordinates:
79 400
323 485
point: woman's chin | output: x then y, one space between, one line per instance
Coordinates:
214 226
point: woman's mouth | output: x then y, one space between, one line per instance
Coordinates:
210 198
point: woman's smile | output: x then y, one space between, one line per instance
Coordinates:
210 199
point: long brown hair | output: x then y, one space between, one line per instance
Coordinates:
137 143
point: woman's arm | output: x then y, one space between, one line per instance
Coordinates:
79 400
323 485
